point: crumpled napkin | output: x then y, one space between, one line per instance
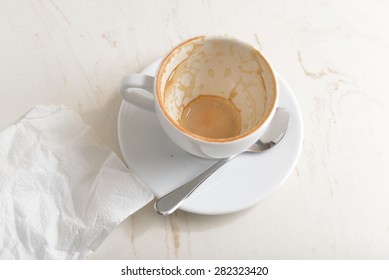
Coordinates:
62 191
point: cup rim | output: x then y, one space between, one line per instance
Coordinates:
158 79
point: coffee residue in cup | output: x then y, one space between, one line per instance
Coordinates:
211 117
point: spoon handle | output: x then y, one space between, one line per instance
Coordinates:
171 201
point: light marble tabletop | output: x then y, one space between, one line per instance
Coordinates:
333 54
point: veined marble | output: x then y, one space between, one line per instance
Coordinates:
333 54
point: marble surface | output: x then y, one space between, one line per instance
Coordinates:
333 54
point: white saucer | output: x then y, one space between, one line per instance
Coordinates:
240 184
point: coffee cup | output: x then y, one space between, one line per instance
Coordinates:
213 96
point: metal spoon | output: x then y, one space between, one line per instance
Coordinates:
274 134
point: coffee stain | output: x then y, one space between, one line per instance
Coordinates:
314 75
180 92
211 117
233 93
202 54
182 95
231 49
111 41
227 72
176 235
243 60
249 72
60 12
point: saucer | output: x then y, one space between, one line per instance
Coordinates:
239 184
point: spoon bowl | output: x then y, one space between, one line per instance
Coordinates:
167 204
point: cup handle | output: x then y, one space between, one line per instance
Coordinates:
137 89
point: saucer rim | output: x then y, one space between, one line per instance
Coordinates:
266 194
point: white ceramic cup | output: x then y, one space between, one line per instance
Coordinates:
217 66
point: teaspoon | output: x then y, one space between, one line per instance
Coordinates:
167 204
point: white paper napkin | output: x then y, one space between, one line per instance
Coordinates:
62 191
